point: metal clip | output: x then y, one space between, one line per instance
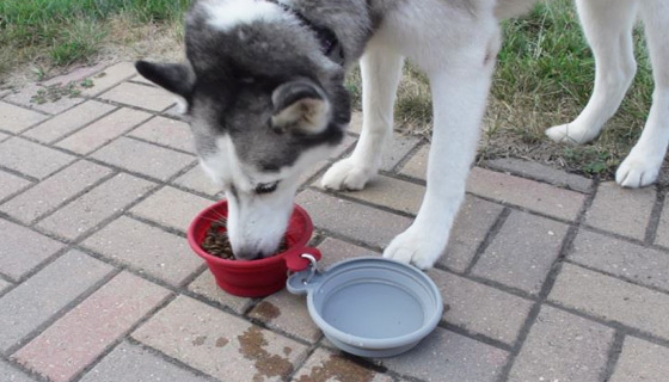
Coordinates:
313 268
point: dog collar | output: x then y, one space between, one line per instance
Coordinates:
328 39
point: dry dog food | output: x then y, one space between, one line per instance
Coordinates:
216 242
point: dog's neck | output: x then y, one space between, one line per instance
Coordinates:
327 37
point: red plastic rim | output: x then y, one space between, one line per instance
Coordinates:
300 228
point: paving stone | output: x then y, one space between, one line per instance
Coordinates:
109 78
364 224
480 309
563 347
396 149
389 192
22 249
74 75
69 121
324 366
287 312
4 136
83 334
202 336
167 132
26 98
621 210
132 363
344 146
641 361
144 158
643 265
662 235
139 78
541 172
536 196
475 218
205 286
33 302
103 131
11 184
183 207
612 299
523 251
147 249
416 167
196 179
32 159
10 374
4 285
355 126
335 250
95 206
16 119
312 171
50 193
146 97
447 356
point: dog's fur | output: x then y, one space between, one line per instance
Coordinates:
265 101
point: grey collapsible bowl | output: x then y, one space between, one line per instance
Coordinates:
370 306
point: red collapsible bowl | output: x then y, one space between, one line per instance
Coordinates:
261 277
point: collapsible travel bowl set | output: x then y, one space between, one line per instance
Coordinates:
367 306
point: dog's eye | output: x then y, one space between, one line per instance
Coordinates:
266 188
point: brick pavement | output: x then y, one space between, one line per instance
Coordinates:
547 277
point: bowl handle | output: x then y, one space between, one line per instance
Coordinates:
296 263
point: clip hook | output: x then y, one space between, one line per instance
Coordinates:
313 267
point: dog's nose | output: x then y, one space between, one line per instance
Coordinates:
248 255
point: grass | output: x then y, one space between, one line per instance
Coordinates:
544 77
57 33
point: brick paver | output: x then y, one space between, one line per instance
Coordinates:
52 192
612 299
535 196
563 347
77 339
478 308
522 253
324 365
26 98
95 206
16 119
103 131
69 121
166 132
146 97
203 337
22 249
31 158
641 361
447 356
144 158
620 210
11 184
36 300
133 363
147 249
99 316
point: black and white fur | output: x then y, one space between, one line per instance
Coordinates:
265 102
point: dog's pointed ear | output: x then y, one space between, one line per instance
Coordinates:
300 106
176 78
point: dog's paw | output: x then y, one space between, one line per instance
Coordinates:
415 247
571 133
346 175
638 170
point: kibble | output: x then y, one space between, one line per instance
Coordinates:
216 241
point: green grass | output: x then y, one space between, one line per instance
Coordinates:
61 32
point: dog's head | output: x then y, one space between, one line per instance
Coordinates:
264 103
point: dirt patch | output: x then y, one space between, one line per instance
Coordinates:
339 369
199 341
266 311
252 344
221 341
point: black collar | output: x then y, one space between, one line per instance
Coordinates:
328 39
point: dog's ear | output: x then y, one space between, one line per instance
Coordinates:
176 78
300 106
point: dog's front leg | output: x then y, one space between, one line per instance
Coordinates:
381 70
459 97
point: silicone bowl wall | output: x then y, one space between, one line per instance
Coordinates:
257 277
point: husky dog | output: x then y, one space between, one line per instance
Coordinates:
263 85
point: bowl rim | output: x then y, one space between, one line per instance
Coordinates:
379 343
245 264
